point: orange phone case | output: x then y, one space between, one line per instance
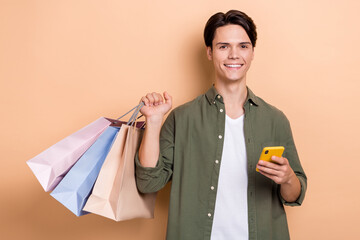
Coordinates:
268 152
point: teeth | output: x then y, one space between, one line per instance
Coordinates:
233 65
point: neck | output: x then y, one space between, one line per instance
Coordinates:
234 93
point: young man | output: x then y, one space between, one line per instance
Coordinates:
210 148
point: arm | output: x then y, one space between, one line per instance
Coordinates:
287 171
153 161
154 110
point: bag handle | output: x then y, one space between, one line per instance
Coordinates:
127 113
133 118
132 121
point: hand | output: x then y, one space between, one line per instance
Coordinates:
279 170
281 173
156 106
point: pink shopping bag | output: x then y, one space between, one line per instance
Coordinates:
51 165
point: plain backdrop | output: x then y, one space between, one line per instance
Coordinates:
65 63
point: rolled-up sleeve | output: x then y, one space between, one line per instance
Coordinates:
293 158
152 179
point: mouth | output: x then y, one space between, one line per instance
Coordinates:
233 65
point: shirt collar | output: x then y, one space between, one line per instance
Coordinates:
212 95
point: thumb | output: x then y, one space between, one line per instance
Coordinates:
168 98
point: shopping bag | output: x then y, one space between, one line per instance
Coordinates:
76 186
51 165
115 194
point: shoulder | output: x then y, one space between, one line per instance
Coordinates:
190 108
270 111
184 113
268 116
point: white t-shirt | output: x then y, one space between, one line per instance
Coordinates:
231 212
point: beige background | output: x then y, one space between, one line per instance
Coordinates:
65 63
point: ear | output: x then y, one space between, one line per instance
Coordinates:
209 53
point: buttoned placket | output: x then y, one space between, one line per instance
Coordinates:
220 128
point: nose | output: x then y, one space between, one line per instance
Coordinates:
233 54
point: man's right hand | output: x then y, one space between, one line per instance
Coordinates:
154 110
156 106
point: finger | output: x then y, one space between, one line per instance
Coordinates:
168 98
269 164
157 98
267 170
150 98
272 177
160 97
279 160
145 101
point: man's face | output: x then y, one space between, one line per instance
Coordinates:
231 53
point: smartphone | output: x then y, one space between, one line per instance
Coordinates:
268 152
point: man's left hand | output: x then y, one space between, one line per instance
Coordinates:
278 170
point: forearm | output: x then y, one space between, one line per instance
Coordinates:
149 148
154 110
290 191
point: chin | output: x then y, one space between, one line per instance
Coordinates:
235 79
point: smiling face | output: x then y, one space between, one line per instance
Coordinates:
231 53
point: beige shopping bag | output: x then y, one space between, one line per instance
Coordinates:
115 194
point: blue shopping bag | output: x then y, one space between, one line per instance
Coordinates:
75 188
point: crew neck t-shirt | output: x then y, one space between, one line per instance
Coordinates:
231 213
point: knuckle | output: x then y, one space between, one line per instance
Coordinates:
155 96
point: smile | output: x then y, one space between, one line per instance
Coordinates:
233 65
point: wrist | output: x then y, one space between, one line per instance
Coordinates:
291 179
155 120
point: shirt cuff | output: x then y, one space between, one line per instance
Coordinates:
146 173
300 199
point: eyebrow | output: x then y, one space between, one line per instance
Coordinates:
225 43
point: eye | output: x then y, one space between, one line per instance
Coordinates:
244 46
223 47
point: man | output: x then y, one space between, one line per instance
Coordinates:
210 148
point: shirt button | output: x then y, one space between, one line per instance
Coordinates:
214 102
251 104
219 97
220 137
209 214
221 110
217 161
212 188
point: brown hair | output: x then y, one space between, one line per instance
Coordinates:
231 17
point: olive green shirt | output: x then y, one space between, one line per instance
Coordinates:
191 144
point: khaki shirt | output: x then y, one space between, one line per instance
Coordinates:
191 144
